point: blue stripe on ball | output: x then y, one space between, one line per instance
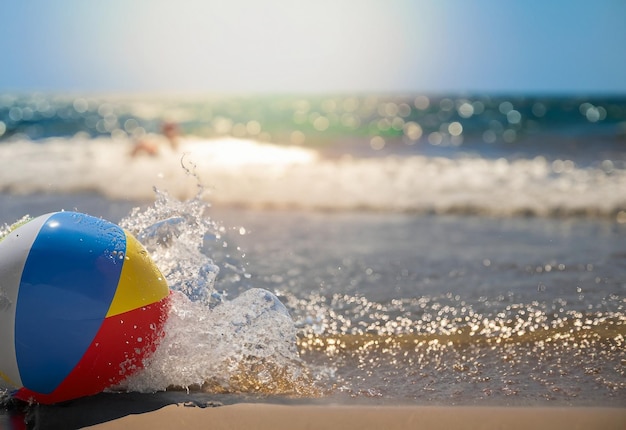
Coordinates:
67 285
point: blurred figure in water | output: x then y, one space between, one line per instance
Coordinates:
150 147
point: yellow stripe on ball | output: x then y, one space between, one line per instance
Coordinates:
133 291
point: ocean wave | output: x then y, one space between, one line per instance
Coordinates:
249 173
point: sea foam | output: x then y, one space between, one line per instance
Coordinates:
248 173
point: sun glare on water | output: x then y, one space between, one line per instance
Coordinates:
241 152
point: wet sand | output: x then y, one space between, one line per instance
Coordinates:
294 417
188 411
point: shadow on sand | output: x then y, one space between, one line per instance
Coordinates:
88 411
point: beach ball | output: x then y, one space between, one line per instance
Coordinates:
82 306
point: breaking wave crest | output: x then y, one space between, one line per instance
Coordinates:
247 173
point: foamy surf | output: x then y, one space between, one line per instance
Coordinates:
248 173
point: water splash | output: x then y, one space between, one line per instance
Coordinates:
246 345
174 232
211 344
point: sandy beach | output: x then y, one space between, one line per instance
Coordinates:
277 417
188 411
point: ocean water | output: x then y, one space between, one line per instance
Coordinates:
356 249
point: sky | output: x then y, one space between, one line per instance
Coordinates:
313 46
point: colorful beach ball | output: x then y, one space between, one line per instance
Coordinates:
81 306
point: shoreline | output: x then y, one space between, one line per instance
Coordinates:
345 417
